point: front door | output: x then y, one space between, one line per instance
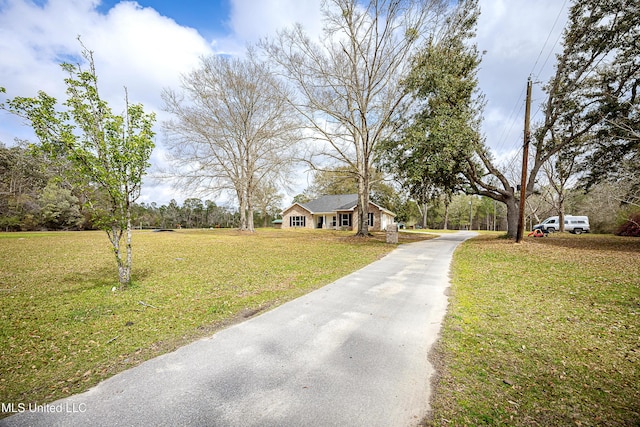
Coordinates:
320 221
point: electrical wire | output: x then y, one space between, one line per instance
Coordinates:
517 108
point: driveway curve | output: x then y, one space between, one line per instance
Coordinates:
353 353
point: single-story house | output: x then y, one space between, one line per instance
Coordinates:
338 212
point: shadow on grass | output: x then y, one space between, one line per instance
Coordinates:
100 278
591 242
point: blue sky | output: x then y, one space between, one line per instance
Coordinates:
210 18
146 46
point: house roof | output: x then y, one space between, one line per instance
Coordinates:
335 203
328 204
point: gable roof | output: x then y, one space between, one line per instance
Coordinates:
333 204
329 204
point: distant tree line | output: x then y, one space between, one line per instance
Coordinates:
35 195
194 213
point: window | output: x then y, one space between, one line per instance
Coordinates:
333 222
345 220
297 221
370 219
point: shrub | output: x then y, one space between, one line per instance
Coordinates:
630 226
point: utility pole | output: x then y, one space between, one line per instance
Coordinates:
525 163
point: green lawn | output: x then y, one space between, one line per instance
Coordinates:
63 329
543 333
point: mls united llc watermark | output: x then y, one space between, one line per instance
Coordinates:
68 408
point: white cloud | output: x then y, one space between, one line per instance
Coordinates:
252 20
518 37
133 47
138 48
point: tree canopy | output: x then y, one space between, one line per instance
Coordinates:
429 153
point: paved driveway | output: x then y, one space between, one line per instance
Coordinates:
353 353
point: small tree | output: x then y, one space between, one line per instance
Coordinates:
111 151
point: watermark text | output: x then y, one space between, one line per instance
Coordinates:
65 407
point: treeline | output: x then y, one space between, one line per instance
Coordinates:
39 194
194 213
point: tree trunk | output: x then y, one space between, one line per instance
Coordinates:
129 262
363 205
561 213
243 212
250 225
512 216
124 265
446 216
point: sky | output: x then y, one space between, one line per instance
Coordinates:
146 45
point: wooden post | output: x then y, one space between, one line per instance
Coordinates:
525 163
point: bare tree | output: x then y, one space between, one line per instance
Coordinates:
349 81
559 171
269 201
233 129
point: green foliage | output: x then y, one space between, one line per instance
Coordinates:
110 151
434 146
59 208
593 103
22 175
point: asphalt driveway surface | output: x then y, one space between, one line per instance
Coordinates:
353 353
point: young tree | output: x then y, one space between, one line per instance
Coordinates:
233 129
350 82
111 151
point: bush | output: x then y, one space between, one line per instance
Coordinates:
630 226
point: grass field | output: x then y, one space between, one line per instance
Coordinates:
63 329
543 333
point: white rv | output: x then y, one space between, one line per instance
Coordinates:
573 224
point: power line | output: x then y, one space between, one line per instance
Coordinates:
547 40
517 108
